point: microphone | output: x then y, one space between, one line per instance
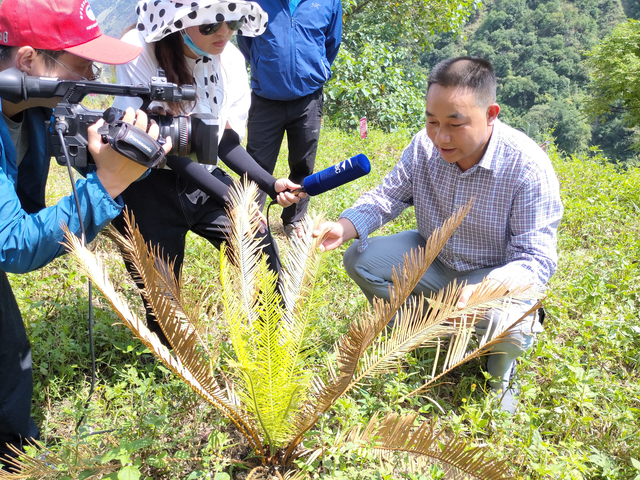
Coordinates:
336 176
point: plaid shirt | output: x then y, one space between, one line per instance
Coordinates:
515 215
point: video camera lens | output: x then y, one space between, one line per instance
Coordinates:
192 136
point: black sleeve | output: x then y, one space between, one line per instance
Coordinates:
236 157
197 175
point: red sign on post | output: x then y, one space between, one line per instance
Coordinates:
363 127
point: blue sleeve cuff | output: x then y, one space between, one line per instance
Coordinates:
105 207
361 227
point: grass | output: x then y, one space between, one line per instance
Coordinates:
579 413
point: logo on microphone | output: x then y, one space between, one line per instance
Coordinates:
341 167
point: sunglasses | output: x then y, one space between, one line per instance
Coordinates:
211 28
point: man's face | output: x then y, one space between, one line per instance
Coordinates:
67 67
458 126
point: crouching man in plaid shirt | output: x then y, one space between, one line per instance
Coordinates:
464 153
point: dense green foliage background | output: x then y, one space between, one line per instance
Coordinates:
614 66
537 47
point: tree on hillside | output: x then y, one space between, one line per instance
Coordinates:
632 8
614 67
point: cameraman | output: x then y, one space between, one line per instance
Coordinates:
63 43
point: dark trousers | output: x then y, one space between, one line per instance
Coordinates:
166 207
16 382
268 121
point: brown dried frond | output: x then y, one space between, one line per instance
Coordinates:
413 328
188 363
246 251
300 270
352 346
156 274
395 434
459 353
264 473
48 464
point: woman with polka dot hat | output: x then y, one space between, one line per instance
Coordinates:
190 42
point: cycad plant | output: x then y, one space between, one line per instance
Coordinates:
275 390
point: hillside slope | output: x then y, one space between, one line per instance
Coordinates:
537 47
114 16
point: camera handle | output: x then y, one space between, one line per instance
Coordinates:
134 144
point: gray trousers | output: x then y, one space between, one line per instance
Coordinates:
372 270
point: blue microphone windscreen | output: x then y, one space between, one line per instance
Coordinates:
337 175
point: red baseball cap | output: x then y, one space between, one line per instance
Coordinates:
67 25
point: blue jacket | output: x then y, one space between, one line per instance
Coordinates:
293 57
30 233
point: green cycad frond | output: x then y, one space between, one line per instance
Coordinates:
187 363
397 434
270 326
271 390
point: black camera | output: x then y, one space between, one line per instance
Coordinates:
194 136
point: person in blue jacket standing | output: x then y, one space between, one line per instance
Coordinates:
63 43
290 62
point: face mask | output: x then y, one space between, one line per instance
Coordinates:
192 46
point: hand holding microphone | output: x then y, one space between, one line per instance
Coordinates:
288 192
336 176
336 233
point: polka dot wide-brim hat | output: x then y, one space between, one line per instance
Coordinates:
159 18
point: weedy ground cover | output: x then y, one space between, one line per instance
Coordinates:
579 413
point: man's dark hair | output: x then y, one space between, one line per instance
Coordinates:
466 72
6 52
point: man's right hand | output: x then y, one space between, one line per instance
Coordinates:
115 171
336 233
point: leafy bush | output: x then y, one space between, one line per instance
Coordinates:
373 84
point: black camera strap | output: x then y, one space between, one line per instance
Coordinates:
134 144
